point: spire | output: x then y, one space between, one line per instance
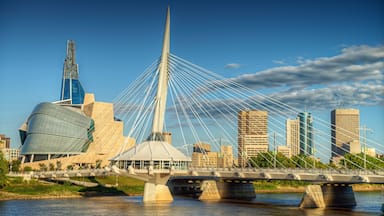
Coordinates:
162 88
71 69
71 87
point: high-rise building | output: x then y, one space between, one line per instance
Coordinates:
306 133
71 88
252 134
293 136
345 125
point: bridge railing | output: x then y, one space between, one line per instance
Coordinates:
299 170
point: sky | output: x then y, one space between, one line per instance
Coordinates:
315 55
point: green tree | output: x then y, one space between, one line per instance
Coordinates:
3 170
356 161
15 164
269 160
27 169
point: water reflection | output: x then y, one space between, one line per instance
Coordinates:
264 204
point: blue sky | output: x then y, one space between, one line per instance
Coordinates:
117 40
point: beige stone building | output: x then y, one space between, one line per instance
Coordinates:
11 154
285 150
167 137
203 157
345 124
252 134
293 136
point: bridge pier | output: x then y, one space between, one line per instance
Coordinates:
209 190
156 189
237 190
333 195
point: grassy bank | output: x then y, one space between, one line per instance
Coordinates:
19 189
299 186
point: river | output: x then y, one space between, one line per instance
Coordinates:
368 203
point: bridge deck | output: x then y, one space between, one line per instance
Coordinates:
310 175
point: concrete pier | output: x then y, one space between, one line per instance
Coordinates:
334 195
210 191
156 190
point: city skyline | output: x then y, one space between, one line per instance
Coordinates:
110 60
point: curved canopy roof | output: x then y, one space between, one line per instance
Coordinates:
54 129
152 150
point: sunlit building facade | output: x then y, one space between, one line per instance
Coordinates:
252 134
345 124
293 136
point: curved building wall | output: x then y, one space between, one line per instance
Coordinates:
54 129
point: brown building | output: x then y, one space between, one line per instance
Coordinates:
345 125
5 142
252 134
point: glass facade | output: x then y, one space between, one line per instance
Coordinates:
72 89
56 130
306 133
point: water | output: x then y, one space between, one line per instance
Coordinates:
368 203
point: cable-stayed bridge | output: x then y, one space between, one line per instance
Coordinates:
203 107
199 106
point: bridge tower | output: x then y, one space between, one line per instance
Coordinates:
162 86
155 154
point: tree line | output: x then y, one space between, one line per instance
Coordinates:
278 160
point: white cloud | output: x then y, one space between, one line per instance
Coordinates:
356 75
279 62
232 66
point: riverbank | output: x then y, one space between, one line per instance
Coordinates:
15 196
301 189
123 186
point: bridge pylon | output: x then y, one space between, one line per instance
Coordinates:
155 153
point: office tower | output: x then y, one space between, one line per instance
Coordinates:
345 125
252 134
306 133
293 136
71 88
